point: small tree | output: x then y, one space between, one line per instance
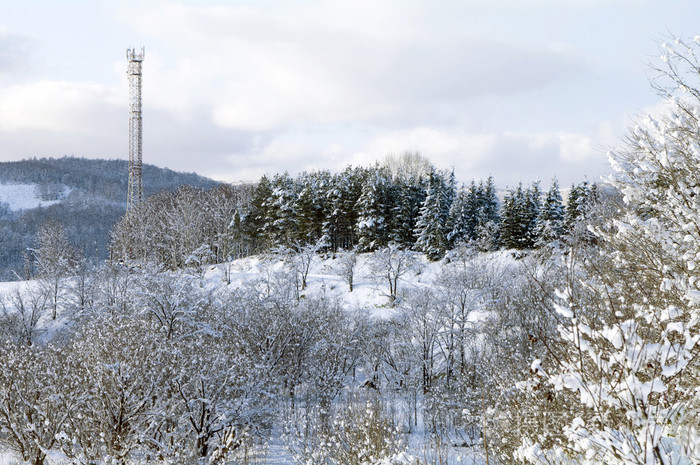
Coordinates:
56 259
550 222
347 261
390 264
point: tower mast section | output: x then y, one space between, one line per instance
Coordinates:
135 193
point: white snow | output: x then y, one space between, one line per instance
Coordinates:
22 197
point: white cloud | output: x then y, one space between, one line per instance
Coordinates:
509 156
72 107
266 66
13 50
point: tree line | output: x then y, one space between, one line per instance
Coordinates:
361 208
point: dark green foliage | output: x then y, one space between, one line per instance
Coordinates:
281 222
407 198
254 218
431 228
311 205
474 214
342 196
358 207
519 217
550 222
374 210
581 198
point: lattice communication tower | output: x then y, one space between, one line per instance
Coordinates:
135 194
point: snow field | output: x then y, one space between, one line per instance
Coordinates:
22 197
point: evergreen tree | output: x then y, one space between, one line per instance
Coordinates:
459 230
550 222
280 226
534 204
489 202
487 230
581 198
431 228
342 198
254 220
474 214
372 228
311 205
406 200
519 217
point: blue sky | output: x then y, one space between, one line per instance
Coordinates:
520 90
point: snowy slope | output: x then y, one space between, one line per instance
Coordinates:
370 292
22 197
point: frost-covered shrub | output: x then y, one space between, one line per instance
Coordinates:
359 434
630 332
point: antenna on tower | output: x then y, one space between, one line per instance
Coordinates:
135 194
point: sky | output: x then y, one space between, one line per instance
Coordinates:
518 89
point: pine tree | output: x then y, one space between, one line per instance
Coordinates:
280 226
581 198
342 199
488 225
514 221
431 228
550 222
311 205
459 223
407 198
372 228
489 202
533 205
254 222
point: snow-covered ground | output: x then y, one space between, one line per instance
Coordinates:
370 294
22 197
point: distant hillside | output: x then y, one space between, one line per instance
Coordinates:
106 179
87 196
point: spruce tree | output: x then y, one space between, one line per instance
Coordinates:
341 216
518 218
371 227
311 205
281 220
254 220
406 201
581 198
489 202
459 231
533 206
550 222
431 228
488 225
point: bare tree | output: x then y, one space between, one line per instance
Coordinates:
390 264
56 259
346 264
23 312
